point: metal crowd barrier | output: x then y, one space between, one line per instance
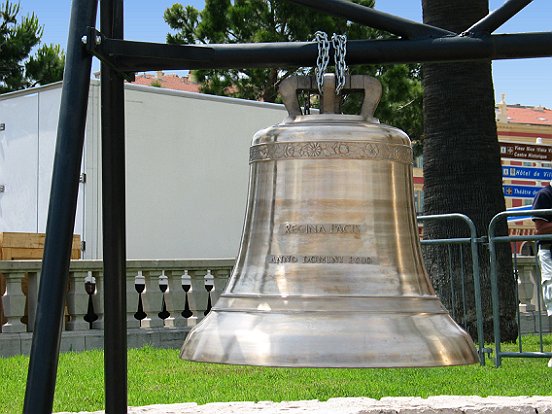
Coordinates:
493 239
472 242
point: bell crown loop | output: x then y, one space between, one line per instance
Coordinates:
329 99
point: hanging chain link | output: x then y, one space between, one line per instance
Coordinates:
339 43
323 58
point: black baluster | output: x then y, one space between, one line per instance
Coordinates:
140 286
209 285
186 286
163 285
90 287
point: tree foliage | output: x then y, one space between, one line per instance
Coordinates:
18 37
252 21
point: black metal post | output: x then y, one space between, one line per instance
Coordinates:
41 378
114 237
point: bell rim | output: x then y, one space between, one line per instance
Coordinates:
296 341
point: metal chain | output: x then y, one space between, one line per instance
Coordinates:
323 58
339 43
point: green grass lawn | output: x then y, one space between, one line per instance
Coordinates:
157 376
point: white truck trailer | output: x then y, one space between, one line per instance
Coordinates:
187 167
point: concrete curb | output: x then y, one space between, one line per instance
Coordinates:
388 405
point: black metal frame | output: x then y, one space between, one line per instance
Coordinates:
418 43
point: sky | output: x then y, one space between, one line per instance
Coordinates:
523 81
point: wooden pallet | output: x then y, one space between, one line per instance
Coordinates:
25 246
22 246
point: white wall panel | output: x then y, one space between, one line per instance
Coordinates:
18 163
188 168
91 190
48 115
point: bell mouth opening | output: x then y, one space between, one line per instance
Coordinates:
329 340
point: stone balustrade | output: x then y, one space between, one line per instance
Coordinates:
164 299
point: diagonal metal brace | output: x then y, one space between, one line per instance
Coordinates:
497 18
376 19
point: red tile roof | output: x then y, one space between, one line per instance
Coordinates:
167 81
536 115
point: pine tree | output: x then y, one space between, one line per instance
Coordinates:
18 37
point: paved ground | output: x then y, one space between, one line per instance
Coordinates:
402 405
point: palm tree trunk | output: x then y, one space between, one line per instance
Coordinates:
462 165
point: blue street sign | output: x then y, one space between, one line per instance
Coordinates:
519 218
527 173
520 191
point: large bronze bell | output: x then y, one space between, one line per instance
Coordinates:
330 272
